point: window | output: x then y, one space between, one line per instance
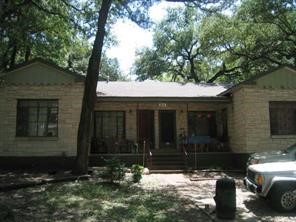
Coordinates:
202 124
110 124
37 118
282 118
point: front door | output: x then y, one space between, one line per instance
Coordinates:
146 126
167 128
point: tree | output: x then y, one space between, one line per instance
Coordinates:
59 36
77 61
110 70
260 35
257 36
176 52
89 97
24 35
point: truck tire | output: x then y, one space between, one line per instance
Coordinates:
283 197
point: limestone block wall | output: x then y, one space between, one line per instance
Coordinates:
69 101
258 136
249 123
237 121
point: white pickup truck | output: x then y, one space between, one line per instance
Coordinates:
275 181
288 154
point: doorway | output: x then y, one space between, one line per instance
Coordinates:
167 129
145 122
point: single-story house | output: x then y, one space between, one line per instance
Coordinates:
161 124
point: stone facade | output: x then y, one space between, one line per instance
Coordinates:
246 106
236 122
249 121
69 98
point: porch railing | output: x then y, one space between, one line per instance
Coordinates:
117 146
113 145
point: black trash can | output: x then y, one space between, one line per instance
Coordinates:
225 198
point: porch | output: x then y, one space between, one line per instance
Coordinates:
159 133
207 160
194 154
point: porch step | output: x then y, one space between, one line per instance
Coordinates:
168 161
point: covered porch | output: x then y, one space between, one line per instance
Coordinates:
152 132
163 122
129 127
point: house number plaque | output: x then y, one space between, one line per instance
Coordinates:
162 105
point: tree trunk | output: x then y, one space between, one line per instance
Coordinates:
13 55
193 73
27 53
89 96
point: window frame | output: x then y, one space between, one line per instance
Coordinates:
100 128
17 134
203 112
272 105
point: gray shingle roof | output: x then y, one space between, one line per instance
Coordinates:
158 89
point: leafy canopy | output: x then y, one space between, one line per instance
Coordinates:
57 30
221 46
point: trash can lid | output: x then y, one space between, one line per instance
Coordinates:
226 183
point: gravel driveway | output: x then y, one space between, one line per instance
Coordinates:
200 188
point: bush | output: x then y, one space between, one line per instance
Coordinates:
137 171
115 170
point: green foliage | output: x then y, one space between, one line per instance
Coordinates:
176 53
62 35
115 171
110 70
6 214
259 35
225 47
137 171
36 29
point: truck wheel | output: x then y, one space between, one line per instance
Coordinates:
283 197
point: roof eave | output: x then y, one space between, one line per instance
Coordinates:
78 77
163 99
253 79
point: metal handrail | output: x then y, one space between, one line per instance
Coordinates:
185 154
147 154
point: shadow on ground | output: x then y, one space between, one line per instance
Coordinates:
93 201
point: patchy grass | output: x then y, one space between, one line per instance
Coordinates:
93 201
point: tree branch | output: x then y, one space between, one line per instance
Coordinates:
71 6
222 72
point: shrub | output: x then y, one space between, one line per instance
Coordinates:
137 171
115 170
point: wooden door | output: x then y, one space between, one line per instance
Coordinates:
167 125
146 126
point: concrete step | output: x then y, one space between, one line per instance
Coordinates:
168 171
168 161
168 167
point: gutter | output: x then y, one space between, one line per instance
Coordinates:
220 99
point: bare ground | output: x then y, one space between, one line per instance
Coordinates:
200 188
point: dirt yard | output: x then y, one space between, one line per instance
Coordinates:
200 188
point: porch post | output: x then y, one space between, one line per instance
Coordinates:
156 129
